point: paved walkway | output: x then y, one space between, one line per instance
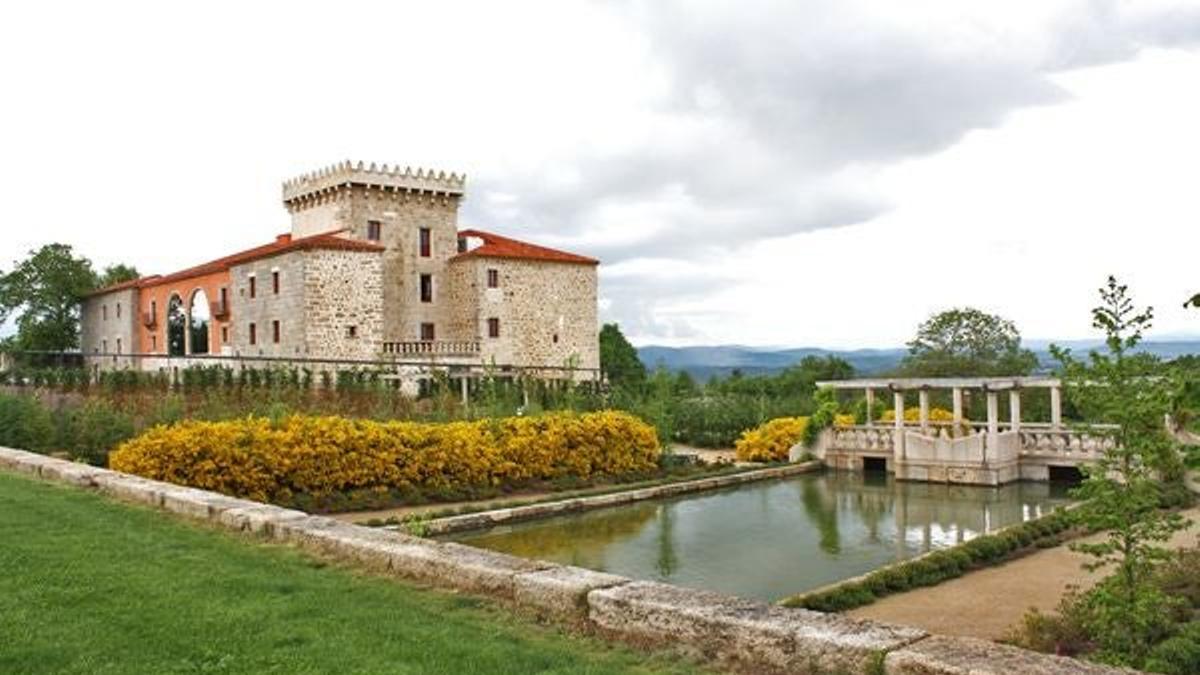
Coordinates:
987 602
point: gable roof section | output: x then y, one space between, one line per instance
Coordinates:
282 244
496 246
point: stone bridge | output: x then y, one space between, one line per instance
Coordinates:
958 450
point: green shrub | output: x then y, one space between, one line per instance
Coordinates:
25 424
1178 655
90 431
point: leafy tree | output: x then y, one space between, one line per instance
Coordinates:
1194 302
967 342
43 293
1124 490
619 359
116 274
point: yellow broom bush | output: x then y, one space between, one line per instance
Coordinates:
913 414
770 442
273 461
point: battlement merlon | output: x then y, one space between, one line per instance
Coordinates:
346 174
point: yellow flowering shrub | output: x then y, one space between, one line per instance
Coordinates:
913 414
265 461
771 441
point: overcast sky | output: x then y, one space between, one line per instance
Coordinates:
816 173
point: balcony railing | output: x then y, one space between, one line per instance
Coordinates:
219 309
432 348
149 320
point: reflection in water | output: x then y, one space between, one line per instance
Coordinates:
768 540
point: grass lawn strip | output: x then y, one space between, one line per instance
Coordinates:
92 586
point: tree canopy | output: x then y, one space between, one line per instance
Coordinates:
618 358
116 274
42 293
967 342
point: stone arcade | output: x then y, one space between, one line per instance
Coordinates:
374 268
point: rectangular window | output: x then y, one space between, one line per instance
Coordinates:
153 309
224 298
104 312
426 288
427 332
153 343
253 334
253 287
493 278
426 242
351 332
118 310
275 282
275 331
493 327
224 335
374 230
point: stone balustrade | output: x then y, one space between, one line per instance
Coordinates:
432 348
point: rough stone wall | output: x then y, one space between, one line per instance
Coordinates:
547 310
287 306
343 289
100 333
401 215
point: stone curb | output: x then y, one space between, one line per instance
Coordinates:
486 519
753 635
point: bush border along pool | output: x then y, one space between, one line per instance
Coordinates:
937 566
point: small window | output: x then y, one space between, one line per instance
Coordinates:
118 342
224 298
374 230
426 242
224 335
118 311
253 288
153 309
493 278
426 288
555 338
351 332
153 343
462 244
493 327
104 312
275 282
253 334
427 332
275 331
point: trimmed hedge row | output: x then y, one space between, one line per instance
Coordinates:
263 460
938 566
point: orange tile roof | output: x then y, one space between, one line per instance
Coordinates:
282 244
496 246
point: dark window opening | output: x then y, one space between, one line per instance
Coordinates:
426 242
426 288
153 343
374 230
224 334
493 279
253 334
275 331
104 312
118 310
493 328
555 338
351 331
275 282
253 288
427 332
875 464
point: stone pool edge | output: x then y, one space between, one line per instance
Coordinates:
739 633
485 519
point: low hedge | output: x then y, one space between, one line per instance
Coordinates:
938 566
259 459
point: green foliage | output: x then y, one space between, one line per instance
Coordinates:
619 359
1125 489
117 274
25 424
1178 655
1194 301
967 342
43 293
91 430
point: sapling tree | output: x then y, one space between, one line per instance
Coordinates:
1124 490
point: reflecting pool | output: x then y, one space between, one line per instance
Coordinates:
773 539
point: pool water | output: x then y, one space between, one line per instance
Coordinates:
772 539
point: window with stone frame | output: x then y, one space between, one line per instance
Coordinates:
253 286
493 327
428 333
275 282
253 333
426 288
425 242
224 335
493 278
374 230
275 331
351 331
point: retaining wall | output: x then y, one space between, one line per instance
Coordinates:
747 635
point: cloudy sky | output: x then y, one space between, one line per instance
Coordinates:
819 172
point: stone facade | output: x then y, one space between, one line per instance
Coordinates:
376 268
109 326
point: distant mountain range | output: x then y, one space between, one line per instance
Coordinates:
721 360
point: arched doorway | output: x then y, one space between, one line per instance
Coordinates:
176 327
199 318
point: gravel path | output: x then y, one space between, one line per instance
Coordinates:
987 602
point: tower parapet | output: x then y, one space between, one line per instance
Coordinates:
324 181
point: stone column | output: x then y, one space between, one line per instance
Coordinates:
993 425
1014 408
463 386
923 397
870 407
956 394
898 404
1056 407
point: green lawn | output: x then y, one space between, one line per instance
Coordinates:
88 585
